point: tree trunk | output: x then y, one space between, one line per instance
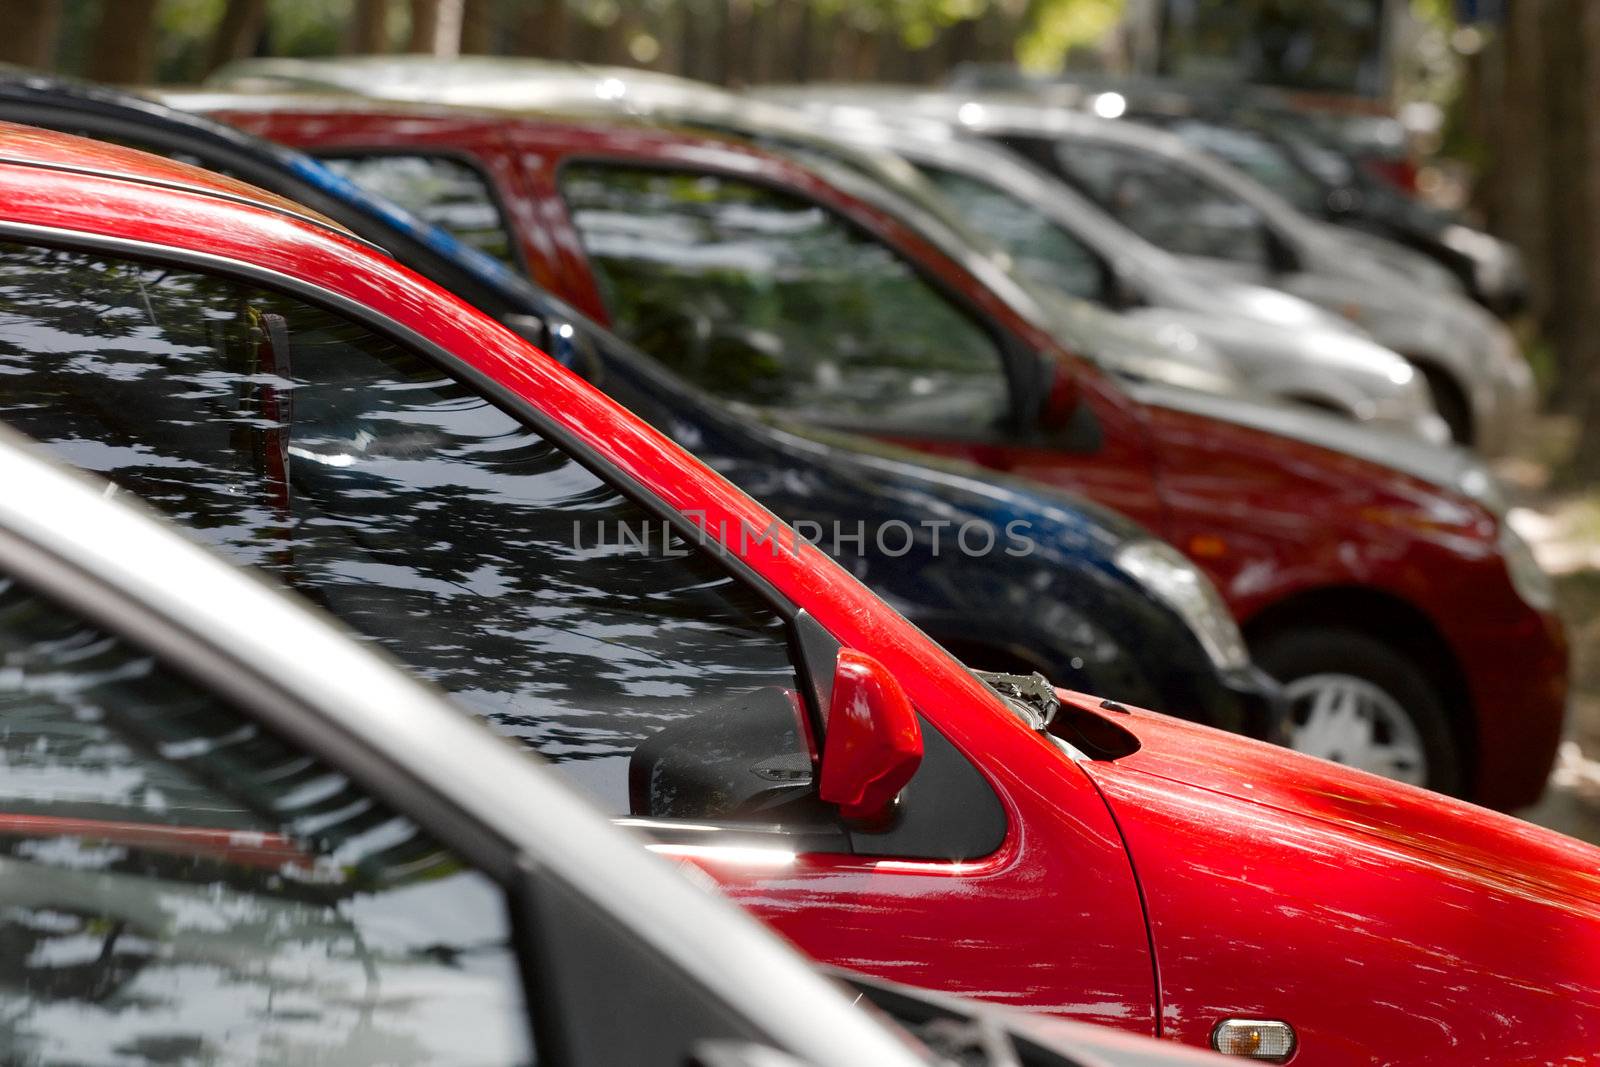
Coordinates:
1566 169
692 61
545 31
960 43
238 33
796 61
477 28
369 29
736 22
124 47
761 42
1583 367
32 27
1522 206
436 27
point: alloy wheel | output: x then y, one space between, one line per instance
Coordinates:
1349 720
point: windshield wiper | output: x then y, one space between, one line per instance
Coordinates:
1030 696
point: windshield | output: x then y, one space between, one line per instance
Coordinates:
1258 156
1043 253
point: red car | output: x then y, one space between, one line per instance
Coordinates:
1374 576
303 403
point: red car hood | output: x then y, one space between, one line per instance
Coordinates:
1494 847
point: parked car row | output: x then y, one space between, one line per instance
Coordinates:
330 389
254 789
673 237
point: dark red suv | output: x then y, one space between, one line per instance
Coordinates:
1375 576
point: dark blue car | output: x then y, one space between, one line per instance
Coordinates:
1008 575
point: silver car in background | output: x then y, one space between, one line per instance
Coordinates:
1306 354
1225 222
1283 346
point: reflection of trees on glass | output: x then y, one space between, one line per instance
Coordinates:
768 299
401 500
1259 156
181 886
1167 206
1044 251
445 192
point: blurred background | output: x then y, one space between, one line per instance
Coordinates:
1476 106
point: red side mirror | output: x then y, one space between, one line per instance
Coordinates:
873 744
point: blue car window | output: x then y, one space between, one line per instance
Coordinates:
441 191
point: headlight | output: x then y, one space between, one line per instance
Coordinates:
1176 582
1478 484
1530 581
1485 253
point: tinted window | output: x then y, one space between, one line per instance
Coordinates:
768 299
1044 251
406 504
448 193
1258 156
178 885
1166 205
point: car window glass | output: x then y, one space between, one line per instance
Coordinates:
1166 205
445 192
1048 254
474 549
768 299
179 885
1258 156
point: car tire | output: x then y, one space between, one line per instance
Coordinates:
1356 699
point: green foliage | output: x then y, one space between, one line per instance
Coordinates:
183 37
185 28
1055 27
1047 29
313 27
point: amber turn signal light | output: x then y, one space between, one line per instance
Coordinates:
1267 1040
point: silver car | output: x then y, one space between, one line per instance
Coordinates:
1167 351
1198 207
1282 346
229 832
1304 354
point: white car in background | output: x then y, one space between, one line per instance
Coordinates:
1229 225
1281 345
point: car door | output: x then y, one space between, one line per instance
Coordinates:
180 882
570 612
770 298
1172 207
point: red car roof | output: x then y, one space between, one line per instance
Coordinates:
62 151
